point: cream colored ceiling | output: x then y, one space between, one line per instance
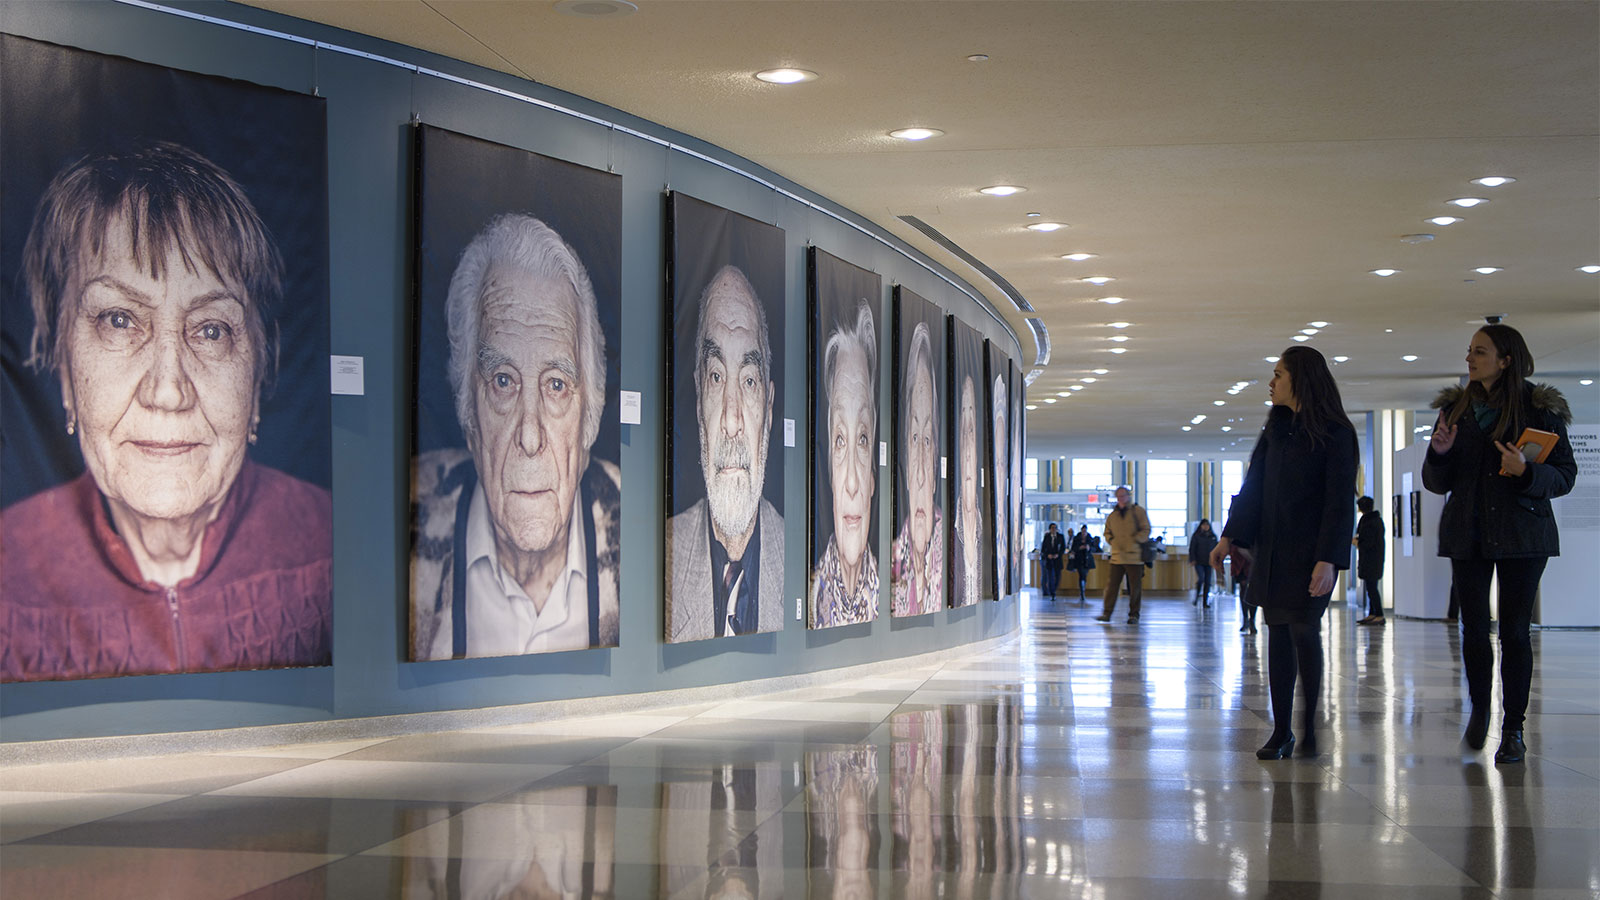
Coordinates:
1238 166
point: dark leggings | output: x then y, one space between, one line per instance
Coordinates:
1374 598
1294 649
1519 584
1202 580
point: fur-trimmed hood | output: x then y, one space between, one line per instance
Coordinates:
1542 396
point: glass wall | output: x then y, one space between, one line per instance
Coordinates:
1167 499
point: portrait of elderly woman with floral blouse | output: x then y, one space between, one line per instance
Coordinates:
844 585
917 570
152 281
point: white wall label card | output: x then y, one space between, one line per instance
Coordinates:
346 374
632 405
883 453
944 467
788 432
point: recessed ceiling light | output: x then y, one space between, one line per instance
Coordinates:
1075 387
1119 338
915 134
1097 279
597 9
1302 338
1078 257
1308 331
1388 331
1385 273
1586 381
1197 419
1318 324
1046 226
1188 428
1112 300
1002 190
978 57
1340 359
1589 270
1488 270
1030 406
1493 180
786 76
1119 349
1467 202
1444 220
1049 399
1227 428
1270 359
1102 371
1118 324
1088 379
1062 394
1032 215
1409 358
1219 403
1417 238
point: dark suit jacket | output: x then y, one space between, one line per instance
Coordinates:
1052 550
689 597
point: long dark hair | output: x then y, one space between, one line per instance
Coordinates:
1506 395
1321 408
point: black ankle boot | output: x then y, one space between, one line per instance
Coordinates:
1477 729
1277 748
1308 744
1512 749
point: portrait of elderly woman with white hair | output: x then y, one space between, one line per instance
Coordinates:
154 284
967 483
917 575
844 580
1000 480
515 536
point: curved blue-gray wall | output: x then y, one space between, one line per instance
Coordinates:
371 104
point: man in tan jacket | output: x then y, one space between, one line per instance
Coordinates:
1127 528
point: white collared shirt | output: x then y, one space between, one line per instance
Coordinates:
501 619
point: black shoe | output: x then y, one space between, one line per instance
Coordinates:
1477 730
1133 620
1512 749
1195 601
1243 628
1252 629
1280 750
1208 604
1102 618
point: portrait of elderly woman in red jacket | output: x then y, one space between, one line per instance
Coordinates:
152 281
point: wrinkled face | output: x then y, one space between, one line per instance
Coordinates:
850 440
529 406
160 376
968 434
1123 498
1280 390
920 453
734 403
1484 362
1001 464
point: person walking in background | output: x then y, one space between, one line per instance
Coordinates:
1051 557
1127 528
1239 562
1080 559
1294 514
1497 519
1369 541
1201 543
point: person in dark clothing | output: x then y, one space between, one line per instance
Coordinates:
1370 547
1201 543
1294 514
1239 562
1052 553
1497 518
1080 559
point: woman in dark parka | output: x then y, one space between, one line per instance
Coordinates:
1370 550
1498 516
1295 516
1201 543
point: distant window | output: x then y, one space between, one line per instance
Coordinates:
1232 480
1166 498
1088 474
1030 474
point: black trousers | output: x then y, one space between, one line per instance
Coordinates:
1374 596
1052 579
1519 584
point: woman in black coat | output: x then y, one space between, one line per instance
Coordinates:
1201 543
1294 514
1370 536
1080 559
1498 516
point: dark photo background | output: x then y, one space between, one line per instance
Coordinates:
58 105
998 368
910 309
967 363
835 287
464 182
1018 495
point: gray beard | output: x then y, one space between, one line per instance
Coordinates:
733 508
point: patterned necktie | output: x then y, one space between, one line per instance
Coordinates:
730 575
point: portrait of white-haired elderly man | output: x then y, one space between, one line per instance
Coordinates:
725 552
515 536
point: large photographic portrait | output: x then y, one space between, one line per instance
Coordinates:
1018 496
844 331
724 548
515 488
971 569
164 499
917 557
998 378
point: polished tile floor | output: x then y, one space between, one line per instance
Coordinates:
1081 760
